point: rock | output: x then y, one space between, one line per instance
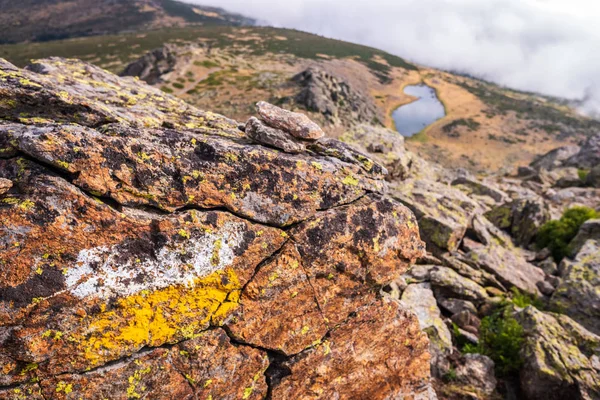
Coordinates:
334 148
455 306
558 357
418 273
5 185
146 252
459 264
475 373
509 266
475 187
522 217
466 319
578 295
419 299
545 288
525 172
554 158
384 146
588 156
589 230
566 177
573 196
335 98
548 266
593 178
153 65
296 124
449 284
351 351
277 138
443 212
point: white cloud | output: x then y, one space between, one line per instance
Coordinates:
546 46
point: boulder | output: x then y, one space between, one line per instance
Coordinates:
566 177
383 145
578 295
419 299
522 217
335 98
509 266
589 230
296 124
153 65
443 212
5 185
560 357
276 138
554 158
146 252
448 284
475 374
588 156
593 178
475 187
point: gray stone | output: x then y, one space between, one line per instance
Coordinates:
449 284
296 124
277 138
593 178
545 287
589 230
476 373
5 185
558 356
589 155
481 188
152 65
454 306
578 295
554 158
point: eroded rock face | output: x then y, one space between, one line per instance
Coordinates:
146 252
151 66
561 357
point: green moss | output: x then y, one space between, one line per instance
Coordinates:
583 174
500 338
557 234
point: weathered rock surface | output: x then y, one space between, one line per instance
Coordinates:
383 145
151 66
333 97
146 252
5 185
443 212
589 155
522 217
297 124
560 356
277 138
578 295
450 284
554 158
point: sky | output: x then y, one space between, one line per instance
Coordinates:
546 46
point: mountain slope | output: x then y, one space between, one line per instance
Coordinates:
40 20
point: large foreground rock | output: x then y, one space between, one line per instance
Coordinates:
146 252
578 295
561 358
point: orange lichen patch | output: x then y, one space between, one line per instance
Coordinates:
154 318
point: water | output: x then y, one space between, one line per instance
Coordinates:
413 117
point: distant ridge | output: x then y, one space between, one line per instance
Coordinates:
43 20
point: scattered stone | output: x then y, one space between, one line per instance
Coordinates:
558 357
153 65
545 288
296 124
277 138
475 372
549 266
449 284
465 319
5 185
455 306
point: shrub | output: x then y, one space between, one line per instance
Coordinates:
523 300
557 234
501 339
178 85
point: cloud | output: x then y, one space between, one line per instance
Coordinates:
551 47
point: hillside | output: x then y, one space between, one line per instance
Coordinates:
228 69
42 20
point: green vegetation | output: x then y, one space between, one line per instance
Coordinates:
206 64
450 376
113 52
470 123
523 300
178 85
583 174
557 234
501 339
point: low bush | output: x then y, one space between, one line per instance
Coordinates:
557 234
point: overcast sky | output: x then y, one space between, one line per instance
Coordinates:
547 46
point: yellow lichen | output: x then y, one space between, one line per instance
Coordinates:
350 180
161 316
64 387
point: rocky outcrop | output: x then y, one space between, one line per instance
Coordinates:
554 158
444 213
578 295
333 97
153 250
561 358
153 65
589 155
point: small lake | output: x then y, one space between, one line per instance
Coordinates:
411 118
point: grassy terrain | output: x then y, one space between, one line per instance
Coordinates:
113 52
